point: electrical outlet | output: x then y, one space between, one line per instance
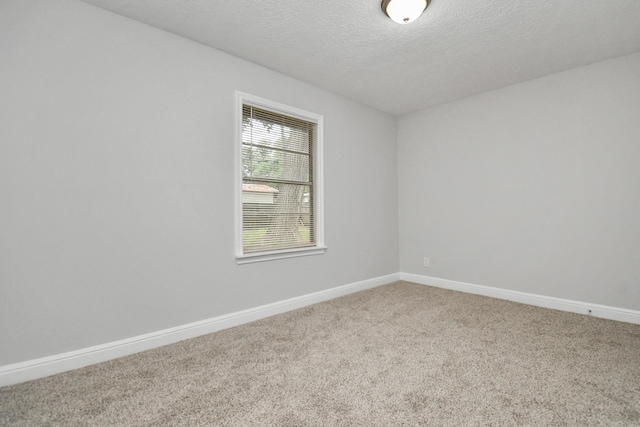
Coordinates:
425 262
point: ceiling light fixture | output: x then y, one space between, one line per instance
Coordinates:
404 11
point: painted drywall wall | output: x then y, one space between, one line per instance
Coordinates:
533 188
116 182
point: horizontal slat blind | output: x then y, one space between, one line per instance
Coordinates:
277 181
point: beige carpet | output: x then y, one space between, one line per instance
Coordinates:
401 354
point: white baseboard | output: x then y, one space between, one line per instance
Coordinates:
45 366
603 311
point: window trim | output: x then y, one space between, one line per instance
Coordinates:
318 179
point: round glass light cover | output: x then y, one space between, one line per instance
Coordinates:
405 11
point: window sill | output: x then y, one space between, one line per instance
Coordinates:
273 255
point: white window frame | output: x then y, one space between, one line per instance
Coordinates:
318 180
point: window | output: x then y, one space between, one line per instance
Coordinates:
279 208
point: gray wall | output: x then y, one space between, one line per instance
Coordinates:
534 187
116 182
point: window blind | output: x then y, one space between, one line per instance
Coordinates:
277 181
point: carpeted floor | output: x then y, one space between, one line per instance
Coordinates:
401 354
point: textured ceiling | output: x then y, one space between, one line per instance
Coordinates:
457 48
